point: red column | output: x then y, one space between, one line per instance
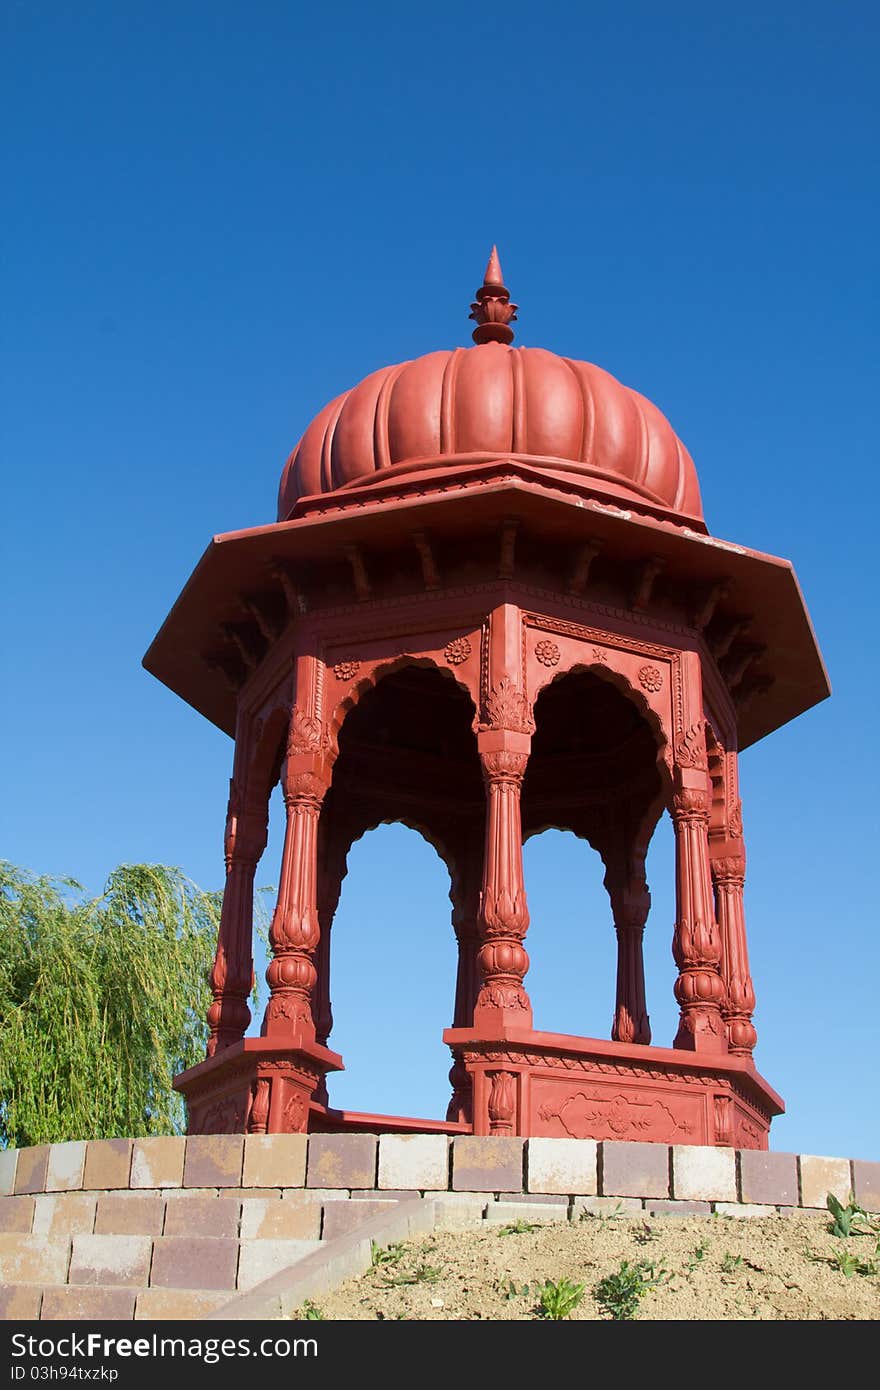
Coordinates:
627 889
294 933
503 744
631 1023
504 914
729 874
696 944
465 894
233 971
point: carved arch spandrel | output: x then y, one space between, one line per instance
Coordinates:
371 672
656 714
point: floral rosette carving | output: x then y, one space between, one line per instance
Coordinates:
457 651
650 678
346 670
548 653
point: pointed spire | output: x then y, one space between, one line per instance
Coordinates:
493 274
492 308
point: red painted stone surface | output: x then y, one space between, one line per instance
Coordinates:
491 605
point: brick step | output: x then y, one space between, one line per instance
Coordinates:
107 1303
143 1263
304 1215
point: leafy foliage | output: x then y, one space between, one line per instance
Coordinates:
619 1294
101 1001
844 1219
558 1300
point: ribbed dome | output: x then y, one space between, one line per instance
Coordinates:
491 401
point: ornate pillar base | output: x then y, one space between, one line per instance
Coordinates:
256 1086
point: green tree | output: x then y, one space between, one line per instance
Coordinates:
101 1001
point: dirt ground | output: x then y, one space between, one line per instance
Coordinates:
780 1267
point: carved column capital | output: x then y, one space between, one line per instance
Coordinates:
504 767
689 805
729 869
304 788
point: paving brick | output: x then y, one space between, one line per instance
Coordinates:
320 1194
189 1194
678 1208
458 1212
16 1214
701 1173
20 1302
129 1214
867 1183
8 1161
342 1217
413 1161
64 1213
158 1161
768 1178
476 1201
561 1165
819 1176
76 1302
635 1170
508 1213
188 1305
30 1174
64 1171
400 1194
214 1160
33 1259
605 1206
274 1160
245 1193
489 1163
108 1164
342 1160
260 1259
744 1209
268 1220
194 1262
110 1260
532 1198
204 1216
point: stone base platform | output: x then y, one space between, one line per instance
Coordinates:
553 1085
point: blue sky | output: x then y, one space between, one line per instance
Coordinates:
219 216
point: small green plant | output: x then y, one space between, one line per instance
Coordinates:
587 1215
519 1228
310 1312
698 1256
619 1294
844 1218
731 1263
645 1235
423 1274
846 1262
849 1263
558 1299
383 1256
509 1290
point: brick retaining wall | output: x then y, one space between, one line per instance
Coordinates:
455 1170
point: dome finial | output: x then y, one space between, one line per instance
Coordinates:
492 308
